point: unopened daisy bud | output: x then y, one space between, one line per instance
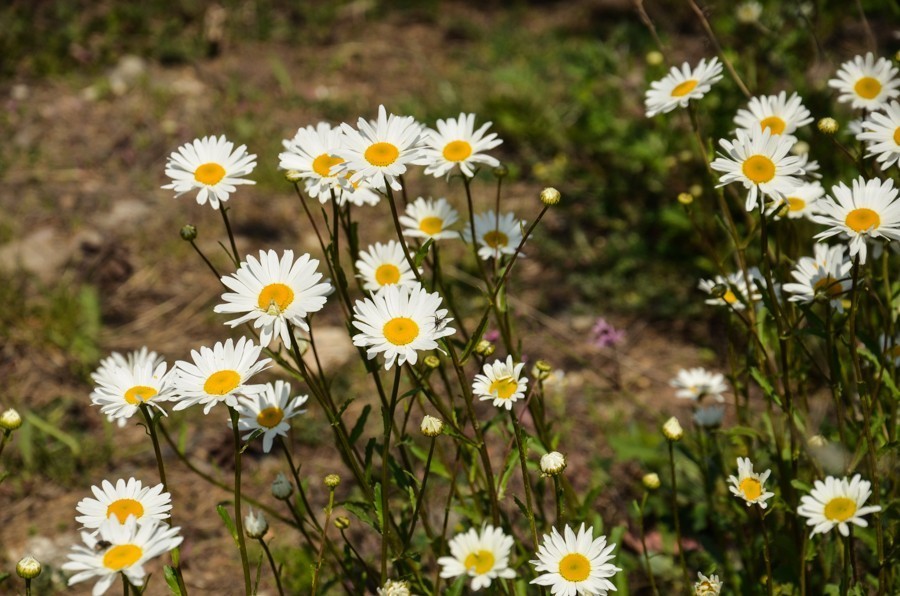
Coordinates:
816 441
432 361
550 196
654 58
28 567
188 232
332 480
541 370
431 426
828 126
748 12
685 198
394 588
800 148
483 346
255 524
501 171
672 429
282 487
10 420
553 463
342 522
293 176
650 481
696 190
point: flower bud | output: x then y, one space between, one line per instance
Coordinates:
501 171
685 198
696 190
553 463
550 196
431 426
651 481
293 176
432 361
255 524
332 480
672 429
817 441
541 370
654 58
342 522
394 588
10 420
188 232
483 346
282 489
828 126
28 567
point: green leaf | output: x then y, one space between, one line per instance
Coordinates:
360 425
476 337
229 523
800 485
58 434
361 511
765 385
508 467
172 580
379 511
422 252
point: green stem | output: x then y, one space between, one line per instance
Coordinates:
388 419
420 497
239 520
235 257
644 546
684 571
27 587
274 567
295 472
523 463
559 496
399 230
767 553
4 439
324 539
205 260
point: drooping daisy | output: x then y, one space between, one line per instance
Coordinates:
736 293
219 374
707 586
119 548
882 134
483 556
457 143
147 504
802 200
497 234
429 218
273 292
865 83
709 416
780 114
384 264
826 274
269 411
760 161
501 382
678 87
399 321
837 503
380 151
749 485
211 165
124 383
868 209
575 564
697 383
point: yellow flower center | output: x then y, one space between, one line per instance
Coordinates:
759 168
387 274
382 154
682 89
123 508
829 286
897 136
862 220
322 165
481 561
270 417
796 204
121 556
840 509
496 239
773 123
457 150
139 394
275 297
400 331
504 387
729 297
209 174
574 567
431 225
222 382
867 87
751 488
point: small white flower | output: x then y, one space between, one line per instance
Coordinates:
837 503
826 274
672 430
553 463
575 564
126 499
749 485
707 586
680 86
501 382
778 113
737 294
865 83
882 134
431 426
483 556
255 524
125 383
394 587
269 412
429 219
210 165
697 383
282 487
803 200
497 234
384 264
457 143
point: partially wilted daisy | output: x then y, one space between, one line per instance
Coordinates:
697 383
400 321
802 200
483 556
384 264
733 291
826 274
457 143
749 485
882 134
497 234
126 499
707 586
269 412
219 374
778 113
867 209
680 86
575 564
429 218
380 151
273 292
124 383
211 165
501 382
865 83
837 503
119 548
760 161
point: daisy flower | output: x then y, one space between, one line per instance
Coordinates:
736 295
882 133
707 586
380 151
272 293
124 383
575 564
865 83
501 383
780 114
269 412
678 87
809 166
826 274
312 153
429 219
759 160
383 265
890 347
400 321
837 503
866 210
802 200
119 548
483 556
697 383
457 143
497 234
749 485
219 374
145 504
211 165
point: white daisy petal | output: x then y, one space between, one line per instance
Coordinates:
211 166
